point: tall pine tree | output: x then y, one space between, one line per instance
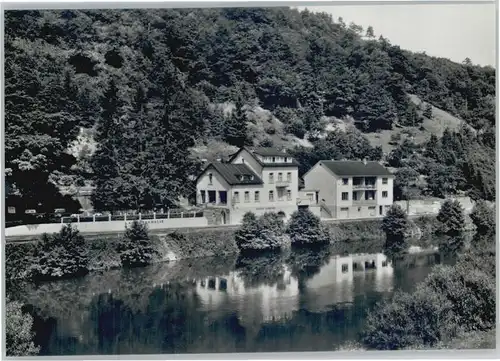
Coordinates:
105 161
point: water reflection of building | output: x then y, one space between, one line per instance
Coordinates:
345 277
254 303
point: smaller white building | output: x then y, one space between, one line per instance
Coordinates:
351 189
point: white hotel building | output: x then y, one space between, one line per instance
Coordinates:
258 181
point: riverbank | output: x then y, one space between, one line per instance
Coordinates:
347 236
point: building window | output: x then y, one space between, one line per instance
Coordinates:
354 196
242 160
384 180
288 160
384 263
345 268
289 177
203 195
311 196
369 195
236 197
371 208
280 177
345 181
344 209
257 196
384 194
274 159
289 195
210 176
271 196
345 196
247 197
271 178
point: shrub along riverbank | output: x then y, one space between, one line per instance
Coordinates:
349 236
455 305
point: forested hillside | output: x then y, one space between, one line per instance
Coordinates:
140 96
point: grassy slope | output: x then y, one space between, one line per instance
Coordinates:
262 123
439 122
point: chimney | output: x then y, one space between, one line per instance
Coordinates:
219 160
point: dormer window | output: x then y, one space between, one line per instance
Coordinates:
274 159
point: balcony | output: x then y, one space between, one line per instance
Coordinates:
282 183
364 202
364 186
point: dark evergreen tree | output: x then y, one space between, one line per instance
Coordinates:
236 126
136 249
483 217
395 225
451 218
105 162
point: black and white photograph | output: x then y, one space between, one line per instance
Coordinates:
249 179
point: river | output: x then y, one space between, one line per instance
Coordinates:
297 301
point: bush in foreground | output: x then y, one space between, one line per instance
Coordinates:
18 331
409 320
136 248
304 228
62 254
265 233
451 301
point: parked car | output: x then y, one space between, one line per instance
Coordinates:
59 212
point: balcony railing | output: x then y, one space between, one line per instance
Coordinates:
364 186
282 183
364 202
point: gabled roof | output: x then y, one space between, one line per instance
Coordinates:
274 152
232 172
270 152
355 168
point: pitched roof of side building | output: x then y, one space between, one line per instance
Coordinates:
355 168
232 173
267 152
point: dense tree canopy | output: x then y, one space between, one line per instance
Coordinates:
153 77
